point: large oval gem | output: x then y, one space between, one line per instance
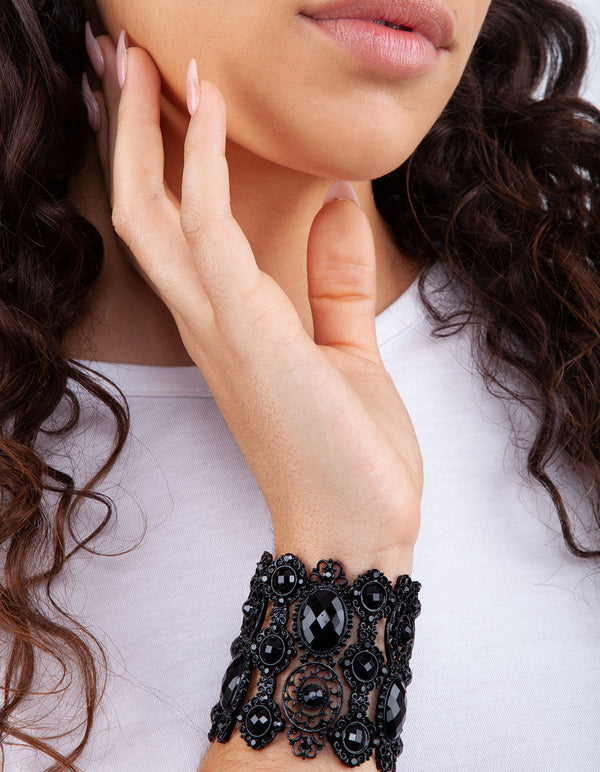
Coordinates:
272 650
231 681
258 721
356 737
322 620
394 710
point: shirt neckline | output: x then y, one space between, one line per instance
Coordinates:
134 380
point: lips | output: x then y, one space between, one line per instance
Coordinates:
430 18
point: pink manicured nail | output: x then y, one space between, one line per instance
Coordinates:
192 87
94 51
341 190
122 47
90 101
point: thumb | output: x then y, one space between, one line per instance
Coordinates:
341 274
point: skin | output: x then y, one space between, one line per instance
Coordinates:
363 125
233 263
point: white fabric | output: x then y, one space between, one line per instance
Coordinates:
506 663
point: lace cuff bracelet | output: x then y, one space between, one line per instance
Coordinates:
312 705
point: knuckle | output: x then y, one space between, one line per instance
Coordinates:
199 226
195 222
127 211
192 226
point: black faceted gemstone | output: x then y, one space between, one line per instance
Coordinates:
373 595
322 620
272 650
405 634
356 738
365 666
394 710
258 721
231 681
254 616
313 696
284 580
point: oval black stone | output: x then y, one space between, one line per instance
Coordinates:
258 721
373 595
231 681
254 616
322 620
272 650
284 580
365 666
313 696
390 626
356 738
405 634
394 710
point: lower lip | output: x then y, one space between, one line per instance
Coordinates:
398 53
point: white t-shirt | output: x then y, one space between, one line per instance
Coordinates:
506 666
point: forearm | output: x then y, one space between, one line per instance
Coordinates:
278 755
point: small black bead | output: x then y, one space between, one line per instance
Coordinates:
313 696
356 738
272 650
365 666
373 595
258 721
284 580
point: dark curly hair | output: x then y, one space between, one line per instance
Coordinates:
504 191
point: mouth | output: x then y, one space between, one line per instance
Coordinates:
432 19
392 26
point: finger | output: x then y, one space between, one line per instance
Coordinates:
137 134
223 256
111 94
105 151
341 277
102 148
145 216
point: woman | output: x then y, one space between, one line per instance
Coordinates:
261 327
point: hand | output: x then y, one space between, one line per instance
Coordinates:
320 422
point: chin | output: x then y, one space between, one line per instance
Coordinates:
340 157
359 161
354 144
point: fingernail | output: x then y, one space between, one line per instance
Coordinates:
192 87
122 47
93 110
341 190
94 51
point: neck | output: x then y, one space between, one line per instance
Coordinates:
126 322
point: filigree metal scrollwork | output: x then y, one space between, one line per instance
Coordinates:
312 700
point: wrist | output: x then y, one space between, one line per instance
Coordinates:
393 561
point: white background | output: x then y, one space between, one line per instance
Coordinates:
590 10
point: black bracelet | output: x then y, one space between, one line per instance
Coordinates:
312 695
